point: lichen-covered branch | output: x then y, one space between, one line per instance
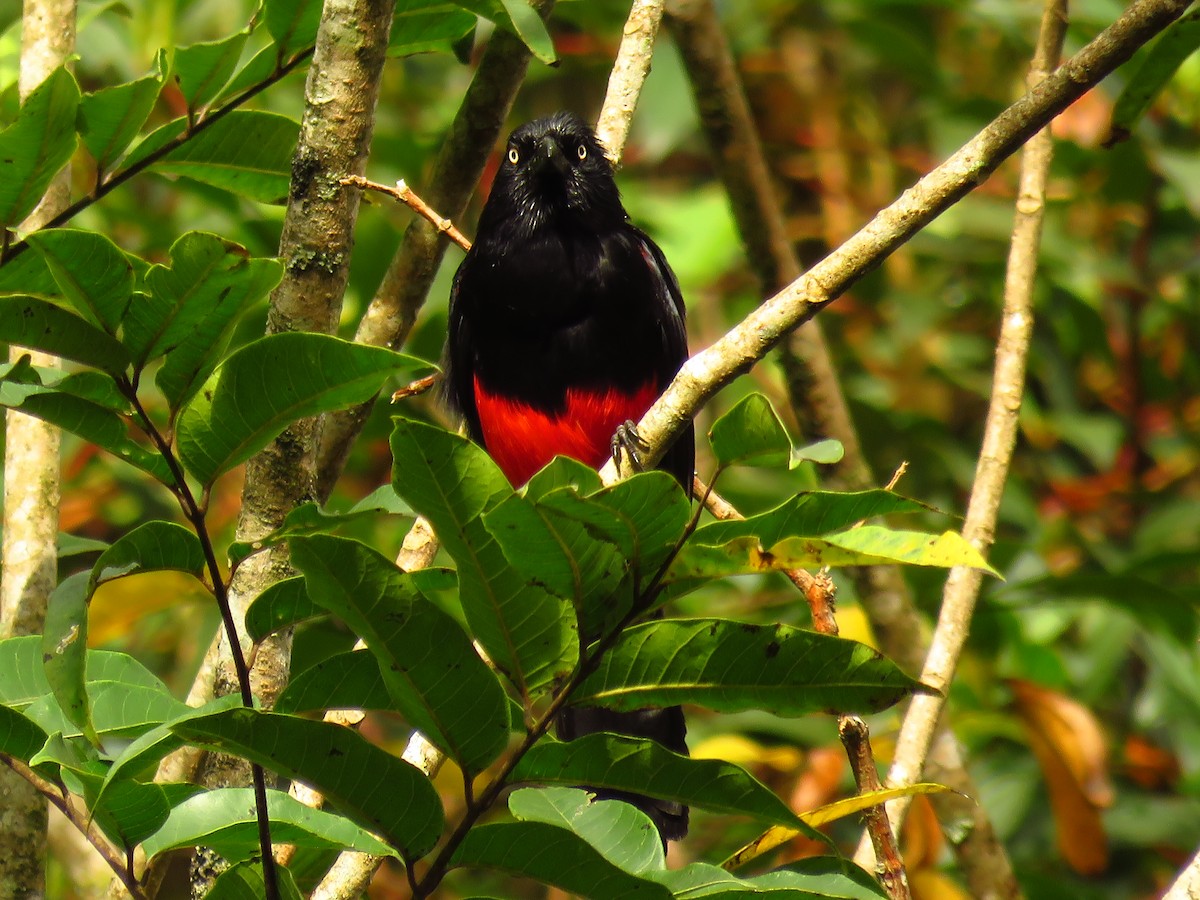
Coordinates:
393 311
708 371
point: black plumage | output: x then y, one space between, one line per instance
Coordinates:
565 320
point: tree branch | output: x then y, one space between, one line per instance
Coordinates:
393 311
628 74
708 371
999 439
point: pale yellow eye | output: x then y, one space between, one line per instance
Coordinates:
582 152
513 155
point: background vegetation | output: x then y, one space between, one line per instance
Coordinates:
1078 699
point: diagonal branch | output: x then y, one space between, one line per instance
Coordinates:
747 343
1000 430
628 74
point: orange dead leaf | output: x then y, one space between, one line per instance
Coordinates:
930 884
1070 748
1149 765
921 840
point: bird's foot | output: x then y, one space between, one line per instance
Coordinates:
627 442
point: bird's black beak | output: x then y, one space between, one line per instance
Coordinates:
549 154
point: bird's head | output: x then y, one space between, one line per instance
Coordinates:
553 171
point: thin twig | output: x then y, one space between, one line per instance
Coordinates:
818 590
82 820
409 198
962 585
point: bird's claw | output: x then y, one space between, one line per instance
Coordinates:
626 441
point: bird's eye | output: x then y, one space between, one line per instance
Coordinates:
513 155
582 152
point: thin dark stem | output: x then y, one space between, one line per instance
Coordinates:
12 251
194 513
123 868
587 665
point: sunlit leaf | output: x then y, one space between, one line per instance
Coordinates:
225 820
349 680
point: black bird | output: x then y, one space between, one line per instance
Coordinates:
565 322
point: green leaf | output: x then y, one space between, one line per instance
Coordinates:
623 835
154 745
268 384
224 819
118 710
36 146
646 767
521 19
64 650
89 420
349 680
435 677
23 679
281 605
1159 66
292 24
76 545
310 518
247 152
866 546
260 68
563 556
244 881
557 857
27 274
92 272
423 26
733 666
339 763
155 545
817 878
561 472
20 737
202 70
810 514
110 118
38 325
526 631
192 307
751 433
128 813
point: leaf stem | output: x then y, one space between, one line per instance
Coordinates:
194 513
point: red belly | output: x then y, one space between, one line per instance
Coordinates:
522 439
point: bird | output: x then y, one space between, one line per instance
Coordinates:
565 324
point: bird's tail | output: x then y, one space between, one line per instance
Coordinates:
663 725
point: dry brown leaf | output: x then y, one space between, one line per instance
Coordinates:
1069 747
